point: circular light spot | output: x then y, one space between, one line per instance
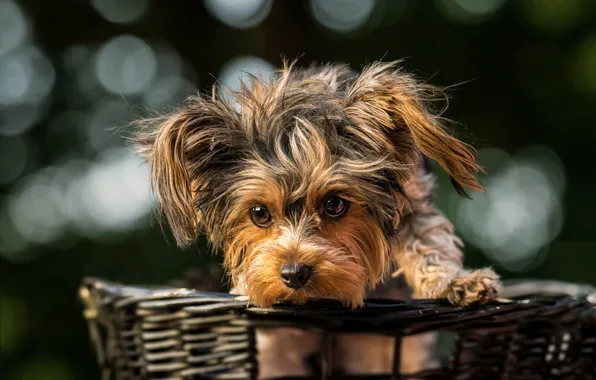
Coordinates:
342 15
239 14
14 26
469 11
35 210
69 177
125 65
26 76
120 11
521 211
13 158
14 79
239 70
173 83
116 191
549 163
168 91
480 7
169 61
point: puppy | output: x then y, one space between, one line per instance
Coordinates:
316 184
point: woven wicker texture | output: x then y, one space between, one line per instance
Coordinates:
542 331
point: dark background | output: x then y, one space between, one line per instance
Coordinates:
74 202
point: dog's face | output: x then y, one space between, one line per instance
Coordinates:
303 222
302 187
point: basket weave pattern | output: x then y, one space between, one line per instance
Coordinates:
152 333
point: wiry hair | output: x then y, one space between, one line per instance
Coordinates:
289 142
388 99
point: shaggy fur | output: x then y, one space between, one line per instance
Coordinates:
289 144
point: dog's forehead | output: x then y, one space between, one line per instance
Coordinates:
289 185
290 189
313 94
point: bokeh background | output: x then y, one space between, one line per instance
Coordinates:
76 202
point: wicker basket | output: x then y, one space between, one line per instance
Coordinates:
542 331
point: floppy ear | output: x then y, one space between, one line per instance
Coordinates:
387 99
188 152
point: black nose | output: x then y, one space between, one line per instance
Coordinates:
295 275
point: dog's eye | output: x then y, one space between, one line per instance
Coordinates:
260 216
335 206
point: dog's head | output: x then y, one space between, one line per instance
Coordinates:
299 180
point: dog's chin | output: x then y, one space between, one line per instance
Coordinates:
346 284
285 296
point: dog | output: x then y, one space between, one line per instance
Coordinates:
317 183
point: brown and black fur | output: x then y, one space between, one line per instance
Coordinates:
288 144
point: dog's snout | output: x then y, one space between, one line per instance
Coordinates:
295 275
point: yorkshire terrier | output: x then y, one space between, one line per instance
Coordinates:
317 184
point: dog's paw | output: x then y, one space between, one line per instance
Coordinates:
479 286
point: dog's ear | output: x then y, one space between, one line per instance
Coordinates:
189 152
387 101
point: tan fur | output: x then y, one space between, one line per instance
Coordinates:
386 98
430 257
296 140
282 351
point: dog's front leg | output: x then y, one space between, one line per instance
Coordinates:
429 254
283 351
